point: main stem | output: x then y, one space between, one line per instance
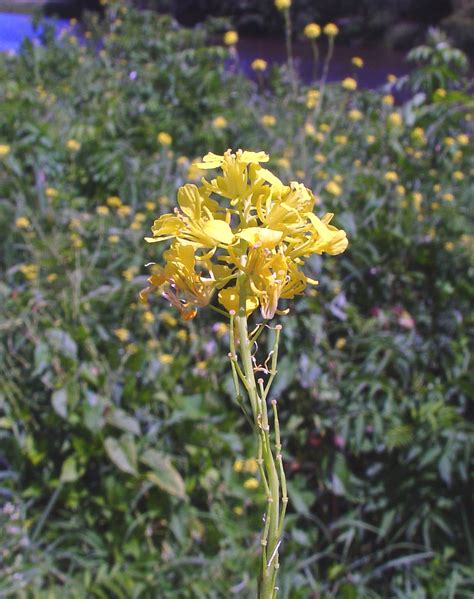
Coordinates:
272 476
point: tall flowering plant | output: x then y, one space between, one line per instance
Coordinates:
244 237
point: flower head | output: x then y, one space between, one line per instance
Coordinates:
244 234
4 150
349 83
357 61
231 38
282 4
312 31
331 30
259 64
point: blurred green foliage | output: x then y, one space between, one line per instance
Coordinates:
122 445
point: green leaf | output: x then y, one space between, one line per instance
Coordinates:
122 454
62 342
164 474
59 402
123 421
69 472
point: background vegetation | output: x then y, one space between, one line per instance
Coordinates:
124 456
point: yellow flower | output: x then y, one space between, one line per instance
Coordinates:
341 140
463 139
22 222
357 163
165 359
448 197
148 317
349 83
458 175
312 31
114 201
391 176
238 465
440 92
333 188
370 139
250 244
259 64
388 100
122 334
355 115
400 189
219 122
268 120
29 271
168 319
72 145
52 277
164 138
182 334
251 484
4 150
282 4
449 141
220 329
150 205
418 135
341 343
251 465
113 238
357 62
231 38
391 78
312 96
436 187
319 158
331 30
238 510
102 210
395 119
124 210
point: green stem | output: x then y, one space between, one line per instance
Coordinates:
270 464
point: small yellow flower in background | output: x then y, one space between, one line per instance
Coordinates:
458 175
357 62
400 189
51 192
333 188
268 120
449 246
140 217
357 163
102 210
129 273
4 150
418 135
300 173
114 201
52 277
165 359
463 139
355 115
417 200
370 139
338 178
449 141
150 205
340 140
391 176
309 129
72 145
388 100
238 510
324 127
164 138
220 329
182 335
341 343
122 334
349 83
194 172
331 30
148 317
312 31
131 348
312 96
448 197
457 156
251 484
282 4
434 205
168 319
113 238
391 78
251 465
231 38
76 240
124 210
440 92
238 465
259 65
319 158
395 119
29 271
219 122
283 162
436 187
22 222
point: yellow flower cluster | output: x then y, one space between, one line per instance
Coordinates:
242 234
312 31
259 64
